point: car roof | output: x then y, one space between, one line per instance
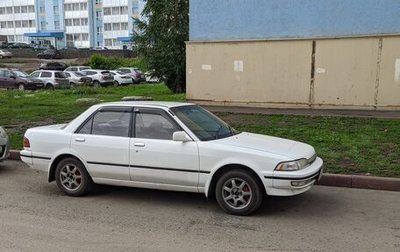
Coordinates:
158 104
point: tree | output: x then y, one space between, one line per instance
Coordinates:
160 37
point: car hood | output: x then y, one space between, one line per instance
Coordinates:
275 145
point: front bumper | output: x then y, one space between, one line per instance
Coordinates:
285 183
4 150
34 85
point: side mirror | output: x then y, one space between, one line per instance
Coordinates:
181 136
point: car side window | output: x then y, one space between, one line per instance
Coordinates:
154 125
67 74
35 75
90 73
1 73
110 123
46 75
7 74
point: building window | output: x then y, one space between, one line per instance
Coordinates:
9 10
42 10
116 26
99 30
77 22
17 9
68 22
2 10
32 23
18 24
83 6
24 9
3 24
124 10
57 25
124 26
98 14
56 10
10 24
31 9
85 37
107 27
43 25
84 21
25 23
10 38
114 11
107 11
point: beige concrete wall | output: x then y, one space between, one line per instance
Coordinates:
249 72
355 73
389 76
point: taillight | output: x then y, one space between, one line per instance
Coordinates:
26 143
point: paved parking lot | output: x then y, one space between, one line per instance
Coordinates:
36 216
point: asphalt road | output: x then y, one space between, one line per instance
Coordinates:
36 216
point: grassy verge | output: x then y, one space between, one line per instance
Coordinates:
21 110
347 145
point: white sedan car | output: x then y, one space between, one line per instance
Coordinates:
4 144
170 146
121 78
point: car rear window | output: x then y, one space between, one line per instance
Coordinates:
45 74
124 70
60 75
105 72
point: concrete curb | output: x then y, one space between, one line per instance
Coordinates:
339 180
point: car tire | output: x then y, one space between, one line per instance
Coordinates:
72 85
21 87
116 84
72 177
49 86
1 56
96 84
238 192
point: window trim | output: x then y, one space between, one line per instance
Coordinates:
107 109
156 111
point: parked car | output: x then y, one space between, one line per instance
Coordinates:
121 79
137 75
77 68
49 54
40 47
13 79
78 78
100 77
52 78
150 77
4 144
19 45
5 54
59 66
170 146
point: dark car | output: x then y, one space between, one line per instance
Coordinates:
18 79
59 66
19 45
49 54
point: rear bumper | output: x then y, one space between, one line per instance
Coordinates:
37 162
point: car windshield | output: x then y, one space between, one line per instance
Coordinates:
203 124
79 74
20 73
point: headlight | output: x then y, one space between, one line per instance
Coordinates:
3 133
292 165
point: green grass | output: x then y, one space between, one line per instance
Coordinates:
21 110
347 145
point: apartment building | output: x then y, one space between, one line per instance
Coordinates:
69 23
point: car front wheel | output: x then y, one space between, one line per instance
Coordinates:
21 87
238 192
72 177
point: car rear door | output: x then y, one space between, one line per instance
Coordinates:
102 142
155 157
4 83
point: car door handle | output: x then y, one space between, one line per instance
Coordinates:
80 139
139 144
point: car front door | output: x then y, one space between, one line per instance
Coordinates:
155 158
103 143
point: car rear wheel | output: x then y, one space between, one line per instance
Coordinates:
49 86
96 84
72 177
21 87
116 84
238 192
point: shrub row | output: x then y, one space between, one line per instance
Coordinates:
98 61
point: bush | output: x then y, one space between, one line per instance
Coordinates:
98 61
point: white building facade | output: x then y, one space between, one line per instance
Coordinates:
69 23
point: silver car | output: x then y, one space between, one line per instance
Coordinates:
52 78
4 144
5 54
